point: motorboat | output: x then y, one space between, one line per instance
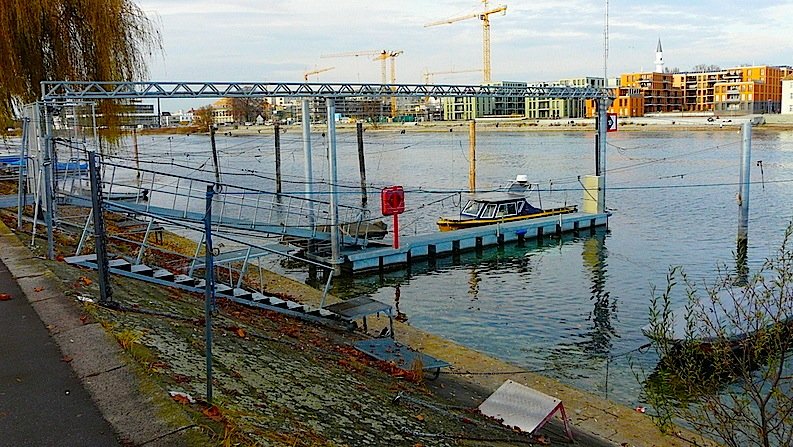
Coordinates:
502 206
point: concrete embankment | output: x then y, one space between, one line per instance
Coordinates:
278 381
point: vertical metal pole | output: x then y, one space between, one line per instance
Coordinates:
105 292
277 130
396 230
139 258
361 163
472 156
602 129
48 186
333 174
214 155
209 289
23 171
307 168
93 121
743 202
135 147
597 154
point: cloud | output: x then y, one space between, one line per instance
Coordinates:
536 40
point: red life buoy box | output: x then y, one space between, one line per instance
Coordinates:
392 200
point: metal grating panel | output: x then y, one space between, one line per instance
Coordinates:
359 307
520 406
387 350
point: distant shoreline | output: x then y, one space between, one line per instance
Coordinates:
641 124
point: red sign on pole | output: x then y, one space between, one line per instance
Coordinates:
392 200
392 203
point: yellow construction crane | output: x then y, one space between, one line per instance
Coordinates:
429 74
382 56
484 16
317 71
378 55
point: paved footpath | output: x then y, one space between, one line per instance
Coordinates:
42 402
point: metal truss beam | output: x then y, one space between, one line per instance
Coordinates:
55 91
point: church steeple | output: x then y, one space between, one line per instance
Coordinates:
659 58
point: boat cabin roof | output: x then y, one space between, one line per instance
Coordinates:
496 197
515 192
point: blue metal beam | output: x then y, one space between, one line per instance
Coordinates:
71 90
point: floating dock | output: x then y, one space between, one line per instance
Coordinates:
452 243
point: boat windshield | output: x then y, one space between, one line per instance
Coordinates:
472 208
489 211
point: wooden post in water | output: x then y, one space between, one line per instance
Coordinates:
472 156
361 162
277 130
135 146
214 155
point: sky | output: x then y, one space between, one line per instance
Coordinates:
535 40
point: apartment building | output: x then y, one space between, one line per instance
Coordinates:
658 90
540 108
222 111
468 108
698 89
787 95
753 89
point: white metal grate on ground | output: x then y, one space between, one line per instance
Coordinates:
519 406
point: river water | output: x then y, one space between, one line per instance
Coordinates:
560 305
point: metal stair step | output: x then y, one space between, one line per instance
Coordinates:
142 269
291 305
185 280
322 313
163 274
257 297
222 288
242 294
91 257
121 264
273 301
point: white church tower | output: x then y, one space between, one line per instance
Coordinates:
659 58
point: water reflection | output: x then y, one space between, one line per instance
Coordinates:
573 357
599 335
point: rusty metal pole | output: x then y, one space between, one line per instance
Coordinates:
361 163
209 289
472 156
214 155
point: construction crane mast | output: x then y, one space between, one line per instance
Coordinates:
429 74
382 56
314 72
484 16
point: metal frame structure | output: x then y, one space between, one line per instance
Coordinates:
58 93
53 91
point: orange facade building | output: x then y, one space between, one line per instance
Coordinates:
628 102
755 89
658 91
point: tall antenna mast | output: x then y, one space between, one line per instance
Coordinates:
606 46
